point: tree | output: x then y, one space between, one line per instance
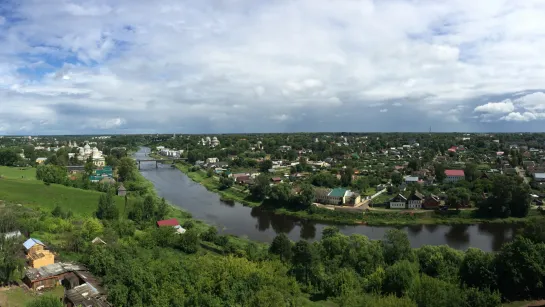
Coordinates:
89 168
305 260
209 173
330 232
324 179
510 197
521 269
225 183
107 209
396 246
45 301
281 246
457 197
478 270
439 170
265 165
162 210
346 176
261 187
396 178
149 208
535 231
399 277
361 184
51 173
281 194
306 196
189 242
8 157
126 169
471 172
415 164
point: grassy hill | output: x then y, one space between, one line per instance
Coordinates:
36 194
26 173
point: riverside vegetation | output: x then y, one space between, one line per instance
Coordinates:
510 204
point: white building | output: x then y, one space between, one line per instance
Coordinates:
398 202
454 175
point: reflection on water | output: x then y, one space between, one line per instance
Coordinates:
260 225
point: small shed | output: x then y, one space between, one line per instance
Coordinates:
121 191
170 222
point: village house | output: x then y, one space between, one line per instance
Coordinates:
49 276
411 179
212 160
431 202
171 223
36 254
337 196
454 175
415 200
398 202
40 160
121 191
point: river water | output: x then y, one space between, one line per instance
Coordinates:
259 225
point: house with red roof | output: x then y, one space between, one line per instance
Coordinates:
171 223
454 175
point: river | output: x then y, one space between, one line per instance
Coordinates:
259 225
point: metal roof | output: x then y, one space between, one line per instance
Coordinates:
52 270
539 175
31 242
337 192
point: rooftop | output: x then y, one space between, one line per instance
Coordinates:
169 222
454 172
539 175
31 242
52 270
338 192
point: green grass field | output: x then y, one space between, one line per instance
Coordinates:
17 297
36 194
27 173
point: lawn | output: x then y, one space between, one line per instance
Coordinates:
27 173
36 194
17 297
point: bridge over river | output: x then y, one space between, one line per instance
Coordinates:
157 161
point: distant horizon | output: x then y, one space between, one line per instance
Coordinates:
250 133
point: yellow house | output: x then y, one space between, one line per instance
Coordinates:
40 160
37 255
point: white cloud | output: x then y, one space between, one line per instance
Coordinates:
383 110
518 117
280 117
505 106
533 102
167 61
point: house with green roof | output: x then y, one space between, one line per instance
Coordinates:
337 196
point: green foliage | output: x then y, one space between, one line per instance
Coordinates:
45 301
261 187
265 165
396 246
281 246
189 242
478 269
400 277
51 173
520 266
510 197
107 209
440 261
8 157
126 169
226 183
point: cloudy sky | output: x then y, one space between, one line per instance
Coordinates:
141 66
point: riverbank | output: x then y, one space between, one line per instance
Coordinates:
371 217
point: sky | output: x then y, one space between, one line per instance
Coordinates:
242 66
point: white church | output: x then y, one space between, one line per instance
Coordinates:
85 152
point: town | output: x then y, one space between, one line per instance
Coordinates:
369 172
91 207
